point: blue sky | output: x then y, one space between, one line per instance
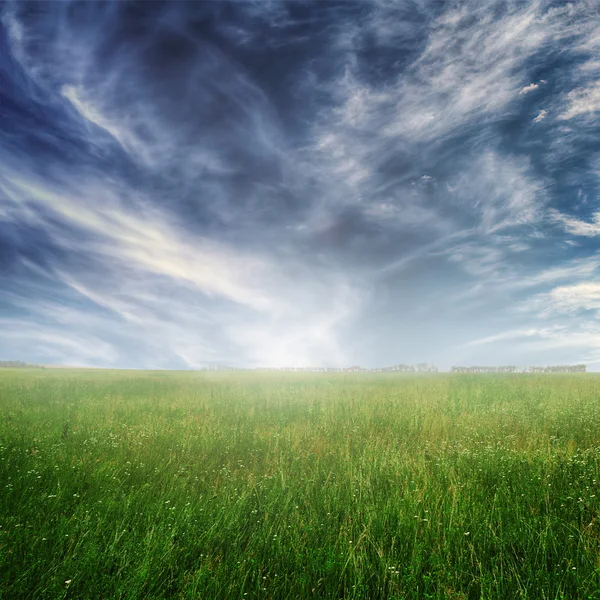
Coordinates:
300 183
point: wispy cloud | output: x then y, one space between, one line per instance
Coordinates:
133 248
576 226
474 64
55 345
90 113
529 88
581 296
582 102
144 241
516 334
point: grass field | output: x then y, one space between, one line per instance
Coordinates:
245 485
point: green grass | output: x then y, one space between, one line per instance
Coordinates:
244 485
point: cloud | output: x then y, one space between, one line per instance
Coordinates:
145 241
576 226
500 190
515 334
581 296
541 116
582 102
568 299
162 283
89 112
590 66
377 141
529 88
545 345
473 65
53 345
167 120
579 268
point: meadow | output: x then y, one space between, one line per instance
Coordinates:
152 485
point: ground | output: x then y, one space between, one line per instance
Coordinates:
124 484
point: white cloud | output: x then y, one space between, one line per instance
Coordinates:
56 345
499 191
159 282
88 111
563 301
590 66
473 65
570 298
576 269
16 36
529 88
471 68
516 334
577 226
157 126
146 241
563 343
581 102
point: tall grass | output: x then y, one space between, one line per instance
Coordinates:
241 485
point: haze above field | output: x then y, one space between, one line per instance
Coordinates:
326 183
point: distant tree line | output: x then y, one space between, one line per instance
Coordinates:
18 364
482 369
514 369
559 369
416 368
401 368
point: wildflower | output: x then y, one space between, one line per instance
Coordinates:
467 533
68 581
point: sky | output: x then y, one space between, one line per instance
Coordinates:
268 183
